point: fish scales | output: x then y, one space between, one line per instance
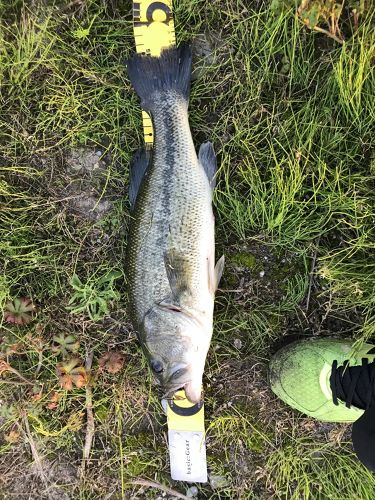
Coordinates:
173 212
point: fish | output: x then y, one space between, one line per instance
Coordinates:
171 272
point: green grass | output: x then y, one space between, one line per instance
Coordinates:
291 115
303 469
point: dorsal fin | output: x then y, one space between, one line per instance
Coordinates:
138 169
207 159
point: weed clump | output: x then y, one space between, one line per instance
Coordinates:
19 311
71 373
94 296
328 16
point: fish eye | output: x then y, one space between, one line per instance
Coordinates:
156 366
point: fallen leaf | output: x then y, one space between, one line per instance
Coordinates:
4 367
112 361
53 400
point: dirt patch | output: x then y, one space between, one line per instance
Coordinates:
86 160
257 272
85 193
244 383
89 206
209 50
24 481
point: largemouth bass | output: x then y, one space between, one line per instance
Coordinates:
171 251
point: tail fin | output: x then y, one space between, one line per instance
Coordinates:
151 75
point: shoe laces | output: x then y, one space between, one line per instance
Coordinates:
355 385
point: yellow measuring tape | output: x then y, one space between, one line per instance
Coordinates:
154 31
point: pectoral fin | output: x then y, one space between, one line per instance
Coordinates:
214 274
178 269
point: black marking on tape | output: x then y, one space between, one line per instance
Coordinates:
185 412
158 6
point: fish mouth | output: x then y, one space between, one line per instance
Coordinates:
171 389
192 390
181 376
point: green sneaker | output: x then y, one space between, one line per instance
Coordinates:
316 377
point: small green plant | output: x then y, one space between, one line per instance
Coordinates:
19 311
65 344
94 296
82 33
7 412
71 373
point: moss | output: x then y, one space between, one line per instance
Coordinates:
256 443
281 272
247 260
230 279
101 413
147 460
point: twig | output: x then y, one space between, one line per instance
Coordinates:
312 269
90 426
5 367
13 382
34 451
13 370
328 33
159 486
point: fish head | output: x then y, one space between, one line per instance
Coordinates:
176 344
